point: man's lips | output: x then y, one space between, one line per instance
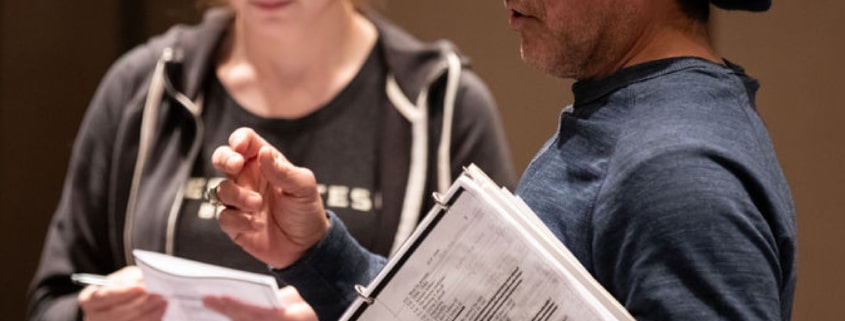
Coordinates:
517 8
516 17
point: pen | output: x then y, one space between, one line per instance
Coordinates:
90 279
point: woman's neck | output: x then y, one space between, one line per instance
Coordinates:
294 68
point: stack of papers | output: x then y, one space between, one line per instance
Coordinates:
482 254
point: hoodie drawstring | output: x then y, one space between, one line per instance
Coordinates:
417 115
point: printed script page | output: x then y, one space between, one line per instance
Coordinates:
476 265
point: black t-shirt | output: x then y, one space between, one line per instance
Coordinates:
338 142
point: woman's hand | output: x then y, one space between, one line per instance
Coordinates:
294 308
125 300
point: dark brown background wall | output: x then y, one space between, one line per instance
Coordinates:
54 53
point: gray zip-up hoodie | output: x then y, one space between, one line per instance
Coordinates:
142 131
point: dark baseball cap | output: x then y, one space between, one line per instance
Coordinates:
750 5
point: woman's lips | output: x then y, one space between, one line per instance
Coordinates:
272 5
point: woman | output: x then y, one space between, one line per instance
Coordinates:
381 119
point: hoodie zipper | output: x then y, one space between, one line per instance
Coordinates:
159 85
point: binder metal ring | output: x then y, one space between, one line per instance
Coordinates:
438 198
360 289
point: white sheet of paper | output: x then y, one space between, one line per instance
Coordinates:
184 283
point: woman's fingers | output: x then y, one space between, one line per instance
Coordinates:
116 303
147 308
238 311
129 275
153 309
294 308
95 297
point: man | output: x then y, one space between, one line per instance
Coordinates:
662 179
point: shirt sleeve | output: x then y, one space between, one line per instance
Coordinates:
692 235
327 274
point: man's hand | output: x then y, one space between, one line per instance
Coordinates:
273 209
294 308
125 300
